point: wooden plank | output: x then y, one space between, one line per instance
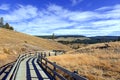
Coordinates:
21 74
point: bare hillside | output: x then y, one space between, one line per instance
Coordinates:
13 43
96 61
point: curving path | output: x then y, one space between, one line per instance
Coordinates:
29 69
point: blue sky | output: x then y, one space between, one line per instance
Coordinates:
63 17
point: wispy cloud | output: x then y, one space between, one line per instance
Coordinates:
21 13
4 7
75 2
54 18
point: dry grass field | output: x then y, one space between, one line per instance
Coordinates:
13 43
95 61
76 45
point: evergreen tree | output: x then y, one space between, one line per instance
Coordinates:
7 26
53 36
11 28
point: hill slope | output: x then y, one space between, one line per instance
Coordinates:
96 61
12 42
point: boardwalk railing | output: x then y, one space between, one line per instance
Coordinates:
13 72
51 68
55 70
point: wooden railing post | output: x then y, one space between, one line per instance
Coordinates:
44 54
41 54
30 54
49 53
54 75
55 53
76 72
40 57
46 64
35 55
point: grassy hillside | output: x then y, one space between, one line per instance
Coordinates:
13 43
95 61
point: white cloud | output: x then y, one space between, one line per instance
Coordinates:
106 23
75 2
103 8
21 13
54 18
4 7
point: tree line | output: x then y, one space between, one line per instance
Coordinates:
7 26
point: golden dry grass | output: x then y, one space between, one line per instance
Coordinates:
93 63
14 43
8 37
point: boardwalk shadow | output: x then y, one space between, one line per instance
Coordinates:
50 76
28 70
5 69
36 70
11 63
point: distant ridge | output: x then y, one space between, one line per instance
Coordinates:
57 36
77 36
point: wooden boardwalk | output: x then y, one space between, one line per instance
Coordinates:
37 67
29 69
